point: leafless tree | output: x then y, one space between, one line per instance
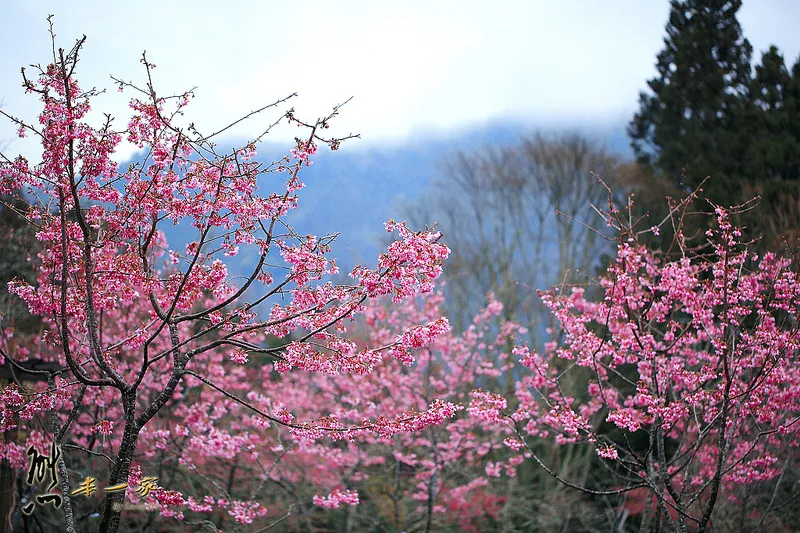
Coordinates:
519 219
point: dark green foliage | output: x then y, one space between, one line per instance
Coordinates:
774 149
708 113
693 116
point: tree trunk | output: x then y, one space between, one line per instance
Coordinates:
115 501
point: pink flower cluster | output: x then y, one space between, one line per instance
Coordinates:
337 498
689 353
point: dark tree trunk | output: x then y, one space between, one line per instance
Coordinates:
115 501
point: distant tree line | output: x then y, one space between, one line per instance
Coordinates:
517 217
714 126
709 112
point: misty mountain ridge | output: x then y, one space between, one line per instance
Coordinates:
354 190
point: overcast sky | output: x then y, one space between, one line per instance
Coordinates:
412 66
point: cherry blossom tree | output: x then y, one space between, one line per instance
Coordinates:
156 346
285 397
682 377
444 476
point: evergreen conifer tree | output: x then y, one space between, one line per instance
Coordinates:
774 150
694 116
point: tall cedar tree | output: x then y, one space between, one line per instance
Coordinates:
692 119
772 155
774 151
